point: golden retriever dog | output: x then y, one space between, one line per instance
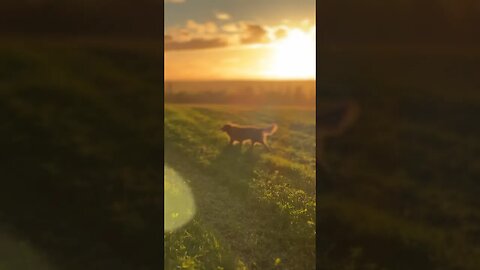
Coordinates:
249 133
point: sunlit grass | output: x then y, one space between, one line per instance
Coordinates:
261 205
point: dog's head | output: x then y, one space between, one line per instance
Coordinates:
226 127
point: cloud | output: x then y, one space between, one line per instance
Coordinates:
195 35
194 44
174 1
231 28
281 33
202 28
222 16
254 34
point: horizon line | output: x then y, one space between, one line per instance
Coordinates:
240 80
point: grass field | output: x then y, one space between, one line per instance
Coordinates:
255 209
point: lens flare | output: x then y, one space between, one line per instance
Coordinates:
179 207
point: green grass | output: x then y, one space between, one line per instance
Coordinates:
259 205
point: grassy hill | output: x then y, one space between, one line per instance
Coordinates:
258 206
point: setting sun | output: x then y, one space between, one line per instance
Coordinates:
248 44
293 57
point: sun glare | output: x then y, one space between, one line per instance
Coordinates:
293 57
179 206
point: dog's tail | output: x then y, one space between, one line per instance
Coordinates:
270 130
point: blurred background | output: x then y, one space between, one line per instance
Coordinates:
403 191
81 108
121 18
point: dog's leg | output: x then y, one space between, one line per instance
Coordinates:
266 146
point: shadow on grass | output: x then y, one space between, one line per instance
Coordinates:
234 167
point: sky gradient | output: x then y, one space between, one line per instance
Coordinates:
238 39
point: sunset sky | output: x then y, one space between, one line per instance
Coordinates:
239 39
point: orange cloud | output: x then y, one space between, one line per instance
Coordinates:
231 28
193 44
254 34
202 28
281 33
223 16
205 35
174 1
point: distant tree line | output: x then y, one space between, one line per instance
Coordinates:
247 96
